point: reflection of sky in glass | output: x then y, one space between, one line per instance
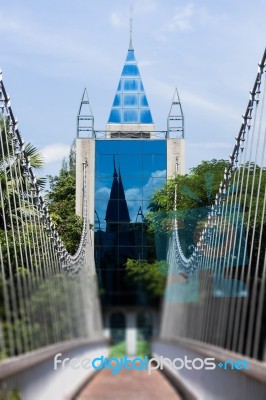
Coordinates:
142 165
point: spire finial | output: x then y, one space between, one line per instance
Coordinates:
131 29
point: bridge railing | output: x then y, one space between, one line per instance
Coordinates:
216 297
47 295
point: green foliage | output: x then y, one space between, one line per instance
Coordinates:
152 275
253 186
14 395
194 190
118 350
69 163
61 200
10 395
143 348
195 193
15 185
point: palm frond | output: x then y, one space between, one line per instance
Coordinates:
36 159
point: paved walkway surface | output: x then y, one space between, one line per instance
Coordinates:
129 385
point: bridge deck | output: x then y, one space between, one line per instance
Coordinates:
130 385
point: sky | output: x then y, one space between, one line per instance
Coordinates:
208 49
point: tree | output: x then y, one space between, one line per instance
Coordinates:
152 275
61 199
195 192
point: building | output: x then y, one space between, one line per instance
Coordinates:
124 164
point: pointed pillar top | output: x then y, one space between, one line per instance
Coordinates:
85 119
85 100
175 121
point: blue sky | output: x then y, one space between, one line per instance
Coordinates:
51 50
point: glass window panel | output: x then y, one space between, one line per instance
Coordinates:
104 165
130 100
100 208
130 70
154 146
107 146
145 205
160 173
145 117
130 147
117 100
131 84
99 225
151 185
115 116
143 101
131 116
154 163
130 165
119 86
132 187
134 192
103 188
141 86
133 208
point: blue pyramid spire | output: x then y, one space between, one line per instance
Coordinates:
130 104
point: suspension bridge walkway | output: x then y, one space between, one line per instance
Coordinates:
212 336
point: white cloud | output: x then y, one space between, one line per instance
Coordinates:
154 182
181 21
63 46
55 152
115 20
103 191
165 90
133 194
158 174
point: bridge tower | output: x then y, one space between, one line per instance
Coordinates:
85 158
175 138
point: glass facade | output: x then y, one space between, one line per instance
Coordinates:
126 174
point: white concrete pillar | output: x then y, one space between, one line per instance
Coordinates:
85 153
175 157
131 333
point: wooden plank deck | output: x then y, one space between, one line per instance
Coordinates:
129 385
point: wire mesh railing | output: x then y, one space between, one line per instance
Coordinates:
47 295
217 295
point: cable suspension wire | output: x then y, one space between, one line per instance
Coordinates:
217 295
47 294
